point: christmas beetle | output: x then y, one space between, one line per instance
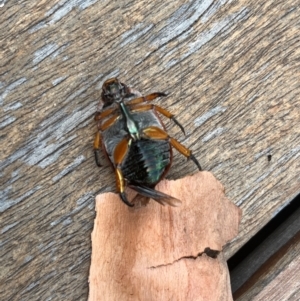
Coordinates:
134 139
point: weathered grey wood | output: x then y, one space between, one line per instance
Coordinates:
232 70
271 245
278 278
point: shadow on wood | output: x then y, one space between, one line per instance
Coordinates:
162 253
280 270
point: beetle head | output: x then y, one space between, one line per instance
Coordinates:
113 91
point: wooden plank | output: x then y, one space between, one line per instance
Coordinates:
278 278
231 69
271 245
158 252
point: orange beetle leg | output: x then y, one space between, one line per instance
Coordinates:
97 146
156 133
109 122
158 109
121 150
100 115
119 155
149 97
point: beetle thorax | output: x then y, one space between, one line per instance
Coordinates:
131 124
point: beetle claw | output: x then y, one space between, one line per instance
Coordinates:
178 124
124 199
192 157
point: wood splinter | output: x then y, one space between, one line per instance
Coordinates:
164 253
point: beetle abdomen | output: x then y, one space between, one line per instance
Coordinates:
146 161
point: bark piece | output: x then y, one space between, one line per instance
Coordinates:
164 253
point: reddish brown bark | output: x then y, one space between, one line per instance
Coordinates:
164 253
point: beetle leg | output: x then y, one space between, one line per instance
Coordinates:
97 146
121 150
109 122
156 133
105 113
160 110
119 155
121 187
170 116
102 127
146 98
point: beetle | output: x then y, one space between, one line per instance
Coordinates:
134 140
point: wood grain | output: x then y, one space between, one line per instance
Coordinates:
231 69
269 246
278 278
164 253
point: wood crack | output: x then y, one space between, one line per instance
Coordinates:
208 251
